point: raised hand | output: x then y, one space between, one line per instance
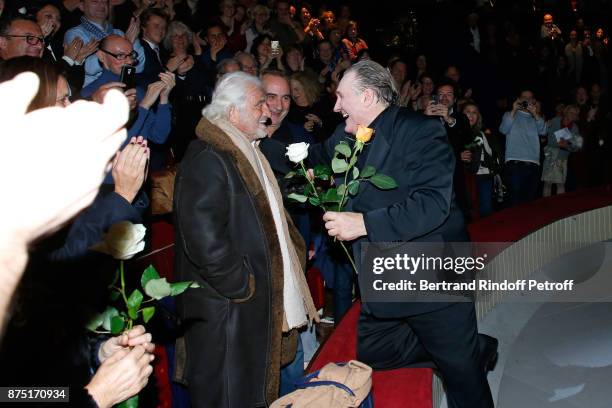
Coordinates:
129 168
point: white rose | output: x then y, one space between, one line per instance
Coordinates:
297 152
123 240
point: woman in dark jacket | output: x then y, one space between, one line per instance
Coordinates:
484 157
310 111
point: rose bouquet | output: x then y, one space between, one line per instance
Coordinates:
340 180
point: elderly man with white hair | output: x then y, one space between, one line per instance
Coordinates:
233 237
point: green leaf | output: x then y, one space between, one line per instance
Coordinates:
355 173
135 299
331 196
368 171
341 189
179 287
107 315
307 189
149 273
290 174
298 197
194 285
158 288
353 161
383 182
95 322
147 313
339 165
314 201
322 172
353 187
117 324
129 403
114 295
133 313
343 149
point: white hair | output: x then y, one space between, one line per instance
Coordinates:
230 92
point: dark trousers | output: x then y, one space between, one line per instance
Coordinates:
485 194
522 179
446 336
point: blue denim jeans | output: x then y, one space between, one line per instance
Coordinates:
293 371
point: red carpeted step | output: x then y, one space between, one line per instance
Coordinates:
405 388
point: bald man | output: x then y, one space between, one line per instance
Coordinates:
549 29
153 124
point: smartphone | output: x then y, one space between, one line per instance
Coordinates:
434 99
274 45
128 76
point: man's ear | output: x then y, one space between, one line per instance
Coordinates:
233 115
368 97
101 58
80 6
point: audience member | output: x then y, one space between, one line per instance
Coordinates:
559 145
351 42
153 24
285 30
247 63
95 27
260 15
523 127
20 36
485 158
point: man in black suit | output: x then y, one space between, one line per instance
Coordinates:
459 135
414 150
153 23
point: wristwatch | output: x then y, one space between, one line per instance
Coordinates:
451 122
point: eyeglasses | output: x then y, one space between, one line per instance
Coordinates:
121 57
30 39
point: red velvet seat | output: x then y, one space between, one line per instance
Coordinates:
401 388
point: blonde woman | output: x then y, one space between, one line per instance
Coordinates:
563 138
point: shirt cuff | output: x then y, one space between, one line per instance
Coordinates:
70 61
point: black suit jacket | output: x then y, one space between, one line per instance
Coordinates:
75 74
414 150
152 66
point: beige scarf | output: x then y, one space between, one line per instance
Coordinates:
297 302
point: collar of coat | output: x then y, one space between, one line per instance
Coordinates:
214 136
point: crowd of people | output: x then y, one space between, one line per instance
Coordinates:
543 131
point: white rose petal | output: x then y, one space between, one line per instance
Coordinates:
297 152
123 240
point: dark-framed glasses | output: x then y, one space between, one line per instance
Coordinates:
30 39
121 57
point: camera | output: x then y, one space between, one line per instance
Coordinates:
523 105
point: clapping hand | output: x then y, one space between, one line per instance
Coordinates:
186 65
129 170
131 34
153 91
86 50
48 28
312 120
169 82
